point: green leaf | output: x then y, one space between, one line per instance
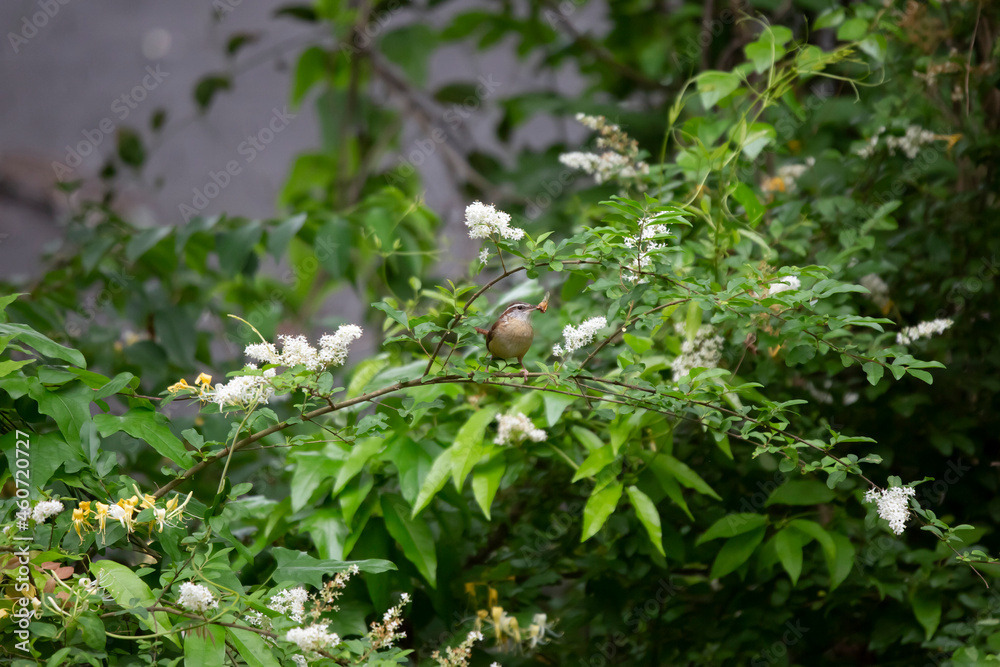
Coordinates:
397 315
468 445
7 366
205 646
207 87
801 492
732 525
788 546
9 299
41 344
356 460
311 470
874 370
150 427
309 70
650 518
68 405
714 85
599 507
92 629
597 461
815 531
830 18
413 535
852 30
748 200
736 551
555 405
144 241
130 148
252 648
486 480
683 474
299 567
844 562
113 386
921 375
671 488
927 608
435 480
129 591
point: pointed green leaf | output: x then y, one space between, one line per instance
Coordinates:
683 474
732 525
736 551
788 546
252 648
801 492
649 517
468 445
486 480
356 460
205 646
598 460
413 535
927 608
435 480
129 591
599 507
42 344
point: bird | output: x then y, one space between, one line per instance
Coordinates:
511 335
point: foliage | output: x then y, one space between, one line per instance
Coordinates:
697 496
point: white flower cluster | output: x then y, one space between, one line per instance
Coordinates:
923 330
458 656
43 510
790 173
485 221
783 284
290 601
604 166
515 428
313 638
704 351
484 256
878 288
383 635
892 505
645 244
577 337
618 158
195 597
909 143
245 390
296 350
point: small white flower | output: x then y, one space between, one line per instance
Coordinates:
263 352
245 390
892 505
290 601
783 284
296 351
333 347
704 351
300 660
923 330
577 337
45 509
313 638
484 256
485 221
195 597
515 428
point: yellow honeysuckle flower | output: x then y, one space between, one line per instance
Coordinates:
80 520
493 597
102 515
148 501
776 184
177 386
205 379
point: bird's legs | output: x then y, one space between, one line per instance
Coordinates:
524 370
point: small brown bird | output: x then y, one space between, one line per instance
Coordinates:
511 335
